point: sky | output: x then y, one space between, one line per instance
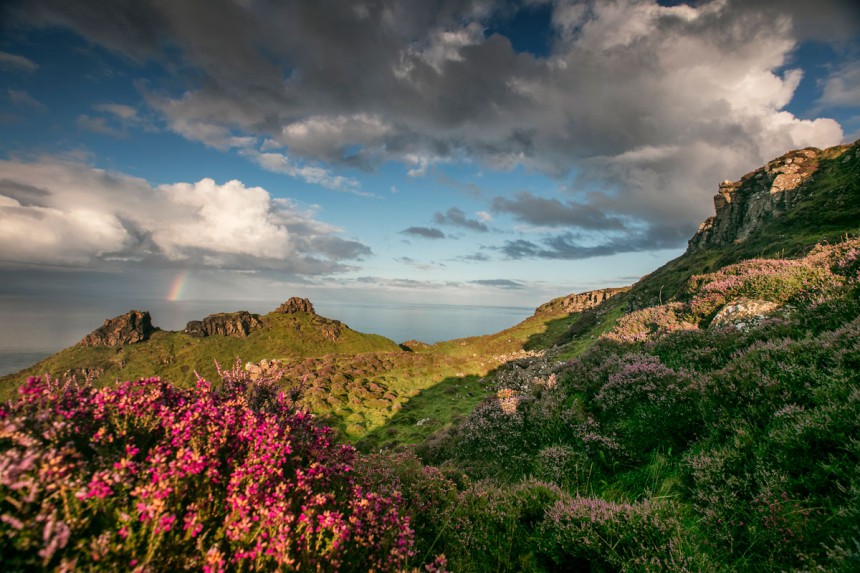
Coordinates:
455 151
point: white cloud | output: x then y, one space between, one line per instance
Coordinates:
842 87
122 111
281 163
68 213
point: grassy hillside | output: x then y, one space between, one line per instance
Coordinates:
176 356
828 212
357 383
670 445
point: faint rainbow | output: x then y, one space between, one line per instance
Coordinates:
178 286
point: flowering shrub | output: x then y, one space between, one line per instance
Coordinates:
775 280
648 323
145 476
587 534
648 404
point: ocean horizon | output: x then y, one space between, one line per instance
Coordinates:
33 329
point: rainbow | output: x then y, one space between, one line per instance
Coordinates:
178 285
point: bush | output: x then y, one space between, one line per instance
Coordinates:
586 534
145 476
649 405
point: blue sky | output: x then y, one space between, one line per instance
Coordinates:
477 152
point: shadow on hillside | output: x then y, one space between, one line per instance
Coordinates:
430 410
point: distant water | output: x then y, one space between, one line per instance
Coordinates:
31 330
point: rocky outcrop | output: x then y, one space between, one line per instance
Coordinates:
743 313
578 302
296 304
129 328
238 324
766 193
413 345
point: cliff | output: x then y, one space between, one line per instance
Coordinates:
763 195
578 302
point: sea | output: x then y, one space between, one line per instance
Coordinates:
32 329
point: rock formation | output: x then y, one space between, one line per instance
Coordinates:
239 324
129 328
578 302
743 313
764 194
296 304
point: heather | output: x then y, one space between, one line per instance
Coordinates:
729 447
145 476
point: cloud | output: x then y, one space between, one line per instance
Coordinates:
17 63
66 213
424 232
24 99
573 246
98 125
280 163
646 106
419 265
842 87
536 210
500 283
121 111
457 218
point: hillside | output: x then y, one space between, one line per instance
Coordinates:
704 420
780 210
355 382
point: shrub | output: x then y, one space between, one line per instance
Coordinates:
649 323
146 476
586 534
649 405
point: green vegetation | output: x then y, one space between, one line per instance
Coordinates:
706 420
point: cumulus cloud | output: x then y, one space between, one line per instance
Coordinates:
457 218
647 106
424 232
69 213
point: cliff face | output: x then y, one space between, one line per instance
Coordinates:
129 328
578 302
766 193
239 324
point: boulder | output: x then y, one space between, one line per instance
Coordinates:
129 328
296 304
743 313
237 324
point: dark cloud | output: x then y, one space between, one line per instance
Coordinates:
541 211
424 232
571 246
26 195
500 283
649 105
477 258
457 218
